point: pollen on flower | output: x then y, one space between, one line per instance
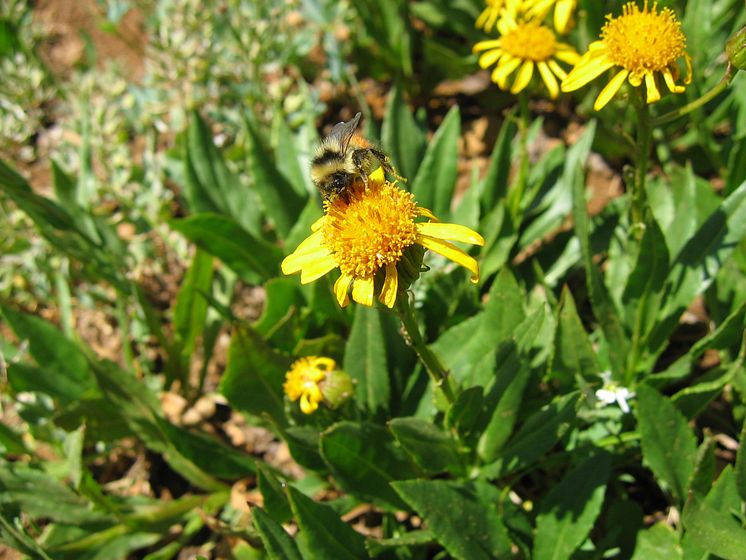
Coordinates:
530 41
643 40
371 228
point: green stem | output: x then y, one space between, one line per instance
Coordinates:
697 103
435 368
516 196
639 196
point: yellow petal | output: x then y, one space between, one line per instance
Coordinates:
300 260
549 80
489 58
653 93
362 291
308 406
523 77
670 82
486 45
688 62
422 211
589 68
563 14
452 232
557 69
378 176
610 90
318 223
450 251
315 269
390 286
342 289
503 70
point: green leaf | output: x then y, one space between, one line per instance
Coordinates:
740 467
366 362
277 543
209 185
658 542
465 412
253 259
322 533
573 354
541 431
303 443
494 186
364 459
715 531
504 394
669 447
254 375
436 178
603 307
697 264
465 345
11 442
208 453
273 492
401 135
462 516
378 547
281 201
567 513
431 448
63 368
190 309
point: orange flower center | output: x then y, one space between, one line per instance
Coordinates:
370 229
530 41
643 41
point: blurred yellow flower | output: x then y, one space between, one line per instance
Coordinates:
488 18
369 231
523 46
303 378
643 43
563 12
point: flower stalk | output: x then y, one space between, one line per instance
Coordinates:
434 367
642 152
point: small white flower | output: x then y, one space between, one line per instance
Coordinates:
612 392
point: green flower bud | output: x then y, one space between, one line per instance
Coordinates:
337 387
735 48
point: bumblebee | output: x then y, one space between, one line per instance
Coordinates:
343 157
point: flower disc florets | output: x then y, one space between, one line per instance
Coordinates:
530 41
369 229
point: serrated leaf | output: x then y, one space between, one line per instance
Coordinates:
669 447
364 459
322 533
462 516
697 264
436 177
277 543
253 259
568 512
541 431
273 492
465 345
658 542
715 531
573 354
431 448
254 375
366 361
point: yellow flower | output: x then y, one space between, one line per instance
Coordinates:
489 15
563 11
368 232
643 43
526 45
303 378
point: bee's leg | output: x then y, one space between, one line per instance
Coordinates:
359 158
386 164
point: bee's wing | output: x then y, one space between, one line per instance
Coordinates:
344 131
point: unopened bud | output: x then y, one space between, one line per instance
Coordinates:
735 48
337 388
